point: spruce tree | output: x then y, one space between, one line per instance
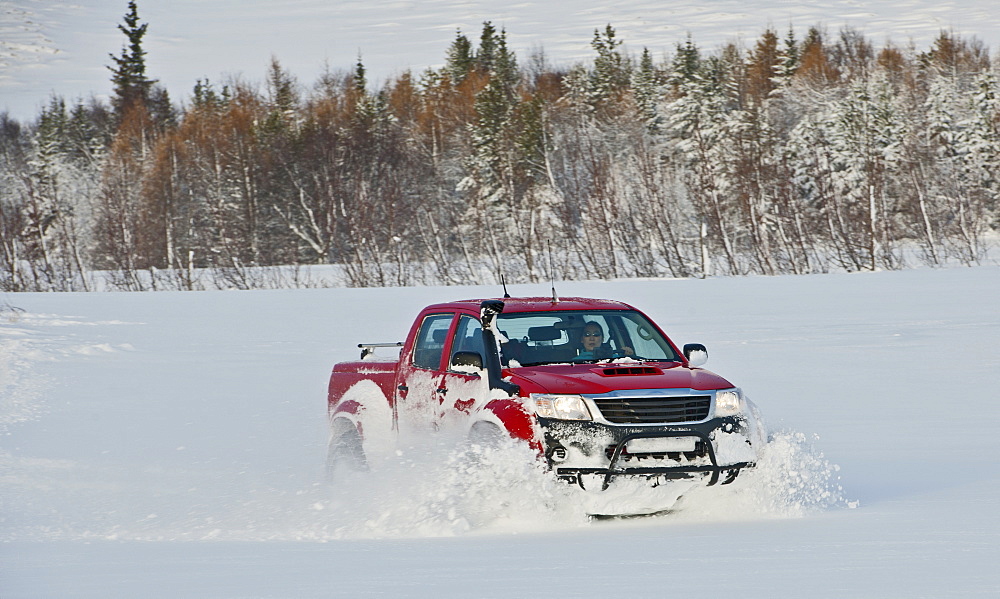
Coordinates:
128 75
371 111
686 64
360 76
205 96
459 59
281 86
611 70
487 53
493 113
647 91
283 101
789 56
83 136
505 63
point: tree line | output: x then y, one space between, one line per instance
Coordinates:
788 156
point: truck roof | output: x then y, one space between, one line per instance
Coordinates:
536 304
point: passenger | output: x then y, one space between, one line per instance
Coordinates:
593 346
512 349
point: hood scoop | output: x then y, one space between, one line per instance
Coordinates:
628 371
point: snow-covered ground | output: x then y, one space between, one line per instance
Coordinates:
62 47
172 445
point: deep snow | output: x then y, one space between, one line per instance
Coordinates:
62 47
171 445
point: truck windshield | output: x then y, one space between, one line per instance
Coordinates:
565 336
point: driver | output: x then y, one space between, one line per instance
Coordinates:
593 346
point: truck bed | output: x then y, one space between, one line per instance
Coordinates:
346 374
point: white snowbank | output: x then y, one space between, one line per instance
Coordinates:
202 434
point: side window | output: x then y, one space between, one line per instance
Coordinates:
429 345
469 338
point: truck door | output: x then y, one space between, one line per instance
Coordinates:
419 399
464 386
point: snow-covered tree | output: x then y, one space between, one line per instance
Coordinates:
612 69
460 58
648 91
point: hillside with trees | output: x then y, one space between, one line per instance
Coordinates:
792 155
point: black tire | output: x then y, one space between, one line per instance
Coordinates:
345 451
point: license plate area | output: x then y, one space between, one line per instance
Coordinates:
662 445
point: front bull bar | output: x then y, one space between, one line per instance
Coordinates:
613 471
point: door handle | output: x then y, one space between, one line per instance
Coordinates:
442 390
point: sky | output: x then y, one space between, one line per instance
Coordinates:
62 47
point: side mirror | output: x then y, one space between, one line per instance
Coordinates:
464 360
696 354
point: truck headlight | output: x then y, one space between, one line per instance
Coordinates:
560 407
727 403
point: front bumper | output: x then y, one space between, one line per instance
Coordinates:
579 451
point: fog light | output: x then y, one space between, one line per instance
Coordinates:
558 454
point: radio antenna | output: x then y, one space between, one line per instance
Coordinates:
503 283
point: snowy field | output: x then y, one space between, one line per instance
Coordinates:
172 445
62 47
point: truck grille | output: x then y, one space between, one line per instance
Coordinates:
649 410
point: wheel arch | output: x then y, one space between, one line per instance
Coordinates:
513 417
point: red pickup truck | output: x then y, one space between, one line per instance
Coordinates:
593 386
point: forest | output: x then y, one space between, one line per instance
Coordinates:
791 153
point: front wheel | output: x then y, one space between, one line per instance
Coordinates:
344 451
488 435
